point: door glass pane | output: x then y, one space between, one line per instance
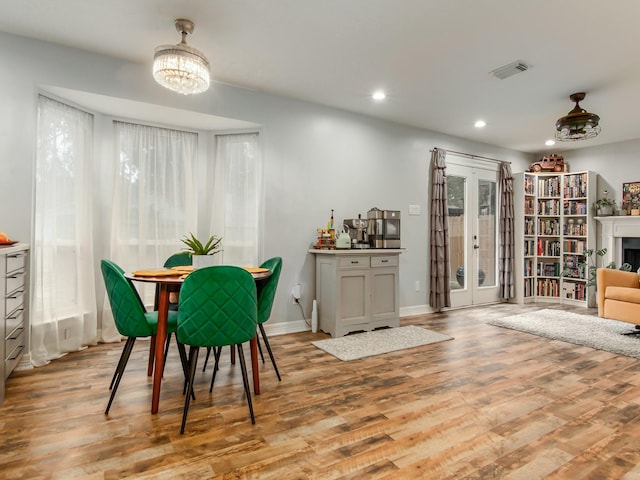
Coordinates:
455 202
486 241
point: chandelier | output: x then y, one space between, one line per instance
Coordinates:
181 68
578 124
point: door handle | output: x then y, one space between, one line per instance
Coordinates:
475 247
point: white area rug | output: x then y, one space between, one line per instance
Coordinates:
587 330
368 344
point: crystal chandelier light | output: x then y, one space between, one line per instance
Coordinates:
578 124
181 68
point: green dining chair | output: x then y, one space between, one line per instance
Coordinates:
218 307
265 303
131 319
180 259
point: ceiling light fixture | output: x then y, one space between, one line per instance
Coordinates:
379 95
550 143
181 68
480 124
578 124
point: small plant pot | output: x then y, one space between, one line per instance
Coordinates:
200 261
605 210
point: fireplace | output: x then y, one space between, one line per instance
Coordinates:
631 252
620 235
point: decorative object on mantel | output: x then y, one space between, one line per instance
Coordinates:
549 163
604 206
181 68
631 198
202 253
578 124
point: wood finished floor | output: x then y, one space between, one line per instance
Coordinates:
492 403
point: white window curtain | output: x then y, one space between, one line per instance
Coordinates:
237 190
153 202
63 316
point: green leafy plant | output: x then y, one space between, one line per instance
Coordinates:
196 247
592 264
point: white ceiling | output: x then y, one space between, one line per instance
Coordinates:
431 56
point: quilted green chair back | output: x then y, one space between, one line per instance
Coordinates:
181 259
218 306
127 309
268 292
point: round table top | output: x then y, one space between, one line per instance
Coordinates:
175 278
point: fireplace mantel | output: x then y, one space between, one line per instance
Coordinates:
614 229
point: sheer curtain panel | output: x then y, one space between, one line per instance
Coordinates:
153 202
64 313
237 191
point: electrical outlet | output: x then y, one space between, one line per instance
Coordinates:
296 292
417 285
67 333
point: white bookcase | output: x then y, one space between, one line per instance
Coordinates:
554 227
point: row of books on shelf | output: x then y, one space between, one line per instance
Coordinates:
548 226
548 269
548 248
574 290
573 207
548 287
572 245
575 185
577 229
549 187
549 207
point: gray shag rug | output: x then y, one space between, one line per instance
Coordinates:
586 330
368 344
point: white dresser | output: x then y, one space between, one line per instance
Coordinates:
14 307
357 289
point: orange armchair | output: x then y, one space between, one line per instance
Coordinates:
618 295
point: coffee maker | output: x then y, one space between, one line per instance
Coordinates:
358 232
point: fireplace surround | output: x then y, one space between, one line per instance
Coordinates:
615 229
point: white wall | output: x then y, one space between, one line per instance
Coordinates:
316 159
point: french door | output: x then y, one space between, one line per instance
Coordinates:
473 234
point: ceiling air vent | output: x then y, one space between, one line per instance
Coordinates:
507 71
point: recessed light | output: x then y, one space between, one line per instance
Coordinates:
480 124
549 143
379 95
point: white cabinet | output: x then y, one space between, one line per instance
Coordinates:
357 290
14 284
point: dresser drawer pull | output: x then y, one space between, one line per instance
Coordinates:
16 294
18 352
16 333
355 262
16 274
384 260
16 255
15 314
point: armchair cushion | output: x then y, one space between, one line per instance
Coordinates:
618 295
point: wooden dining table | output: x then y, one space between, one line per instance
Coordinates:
166 284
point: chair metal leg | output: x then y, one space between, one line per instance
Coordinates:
245 381
216 354
193 360
118 367
124 358
260 349
152 355
206 359
266 342
166 351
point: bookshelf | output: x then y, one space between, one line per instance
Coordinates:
553 229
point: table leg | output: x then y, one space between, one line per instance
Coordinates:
253 344
161 336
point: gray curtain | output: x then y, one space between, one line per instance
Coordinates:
439 291
506 233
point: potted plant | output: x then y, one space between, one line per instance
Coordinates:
604 207
202 253
592 265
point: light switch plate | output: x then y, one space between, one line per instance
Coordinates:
414 209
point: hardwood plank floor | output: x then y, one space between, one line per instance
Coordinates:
492 403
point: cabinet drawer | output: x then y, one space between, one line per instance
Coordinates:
11 362
353 262
12 322
13 302
15 261
384 261
12 342
15 281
